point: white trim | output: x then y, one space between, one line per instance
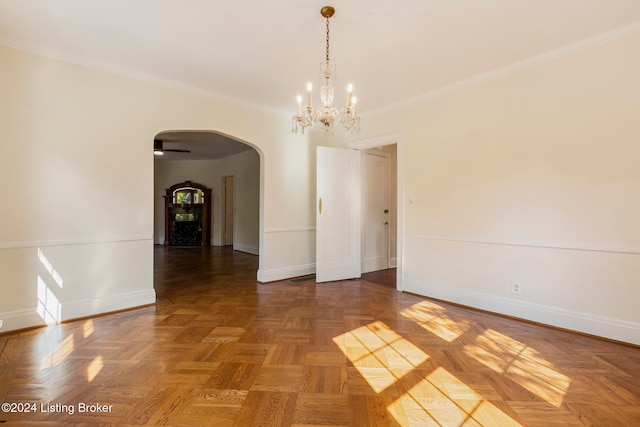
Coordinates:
393 262
551 55
71 242
253 250
601 326
29 318
106 303
289 229
533 244
132 74
378 141
276 274
20 319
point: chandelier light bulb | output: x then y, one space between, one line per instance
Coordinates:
349 95
352 110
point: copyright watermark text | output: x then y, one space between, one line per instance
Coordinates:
50 407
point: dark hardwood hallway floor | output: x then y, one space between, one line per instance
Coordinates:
220 349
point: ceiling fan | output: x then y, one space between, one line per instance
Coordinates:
158 150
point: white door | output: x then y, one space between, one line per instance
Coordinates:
375 211
338 219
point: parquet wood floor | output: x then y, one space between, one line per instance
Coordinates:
219 349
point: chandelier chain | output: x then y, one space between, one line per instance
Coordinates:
327 39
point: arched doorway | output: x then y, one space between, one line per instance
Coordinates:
206 157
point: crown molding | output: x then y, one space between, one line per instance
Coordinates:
107 67
548 56
563 51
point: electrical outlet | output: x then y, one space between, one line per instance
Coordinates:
516 288
0 323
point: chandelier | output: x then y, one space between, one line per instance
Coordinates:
326 114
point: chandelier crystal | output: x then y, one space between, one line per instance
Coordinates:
326 114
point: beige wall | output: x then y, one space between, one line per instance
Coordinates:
77 167
245 167
532 177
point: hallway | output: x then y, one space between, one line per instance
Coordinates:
220 349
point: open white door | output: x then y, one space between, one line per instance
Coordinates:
337 214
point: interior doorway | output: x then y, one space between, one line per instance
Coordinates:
392 143
207 157
340 227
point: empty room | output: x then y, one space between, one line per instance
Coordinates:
320 214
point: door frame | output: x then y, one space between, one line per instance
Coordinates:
379 141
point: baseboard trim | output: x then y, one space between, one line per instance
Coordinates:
276 274
600 326
29 318
20 319
91 307
374 263
247 249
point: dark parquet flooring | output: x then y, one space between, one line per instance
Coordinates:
220 349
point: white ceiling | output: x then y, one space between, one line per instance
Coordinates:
261 54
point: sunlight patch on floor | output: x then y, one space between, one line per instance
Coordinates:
94 368
58 354
380 354
434 319
520 363
441 399
88 328
383 357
